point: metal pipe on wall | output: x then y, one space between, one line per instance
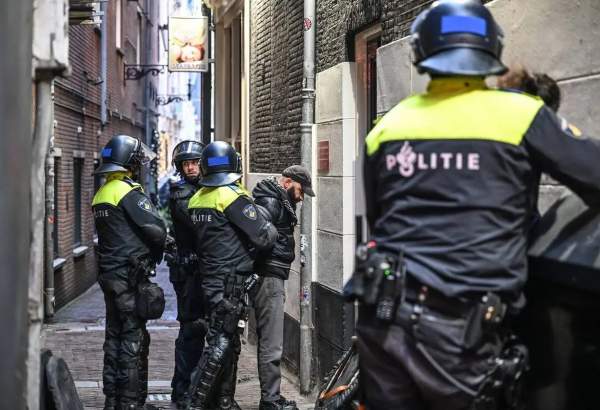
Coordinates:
206 86
49 227
103 64
306 239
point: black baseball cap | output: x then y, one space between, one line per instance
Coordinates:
301 175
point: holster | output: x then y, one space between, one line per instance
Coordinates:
503 386
234 306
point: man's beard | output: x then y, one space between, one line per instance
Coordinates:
291 196
192 179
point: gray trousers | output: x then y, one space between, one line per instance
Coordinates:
268 310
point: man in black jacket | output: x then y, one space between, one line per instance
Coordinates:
277 199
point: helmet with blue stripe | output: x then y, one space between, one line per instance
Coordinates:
123 153
220 165
457 37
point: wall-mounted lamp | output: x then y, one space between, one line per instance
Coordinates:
164 32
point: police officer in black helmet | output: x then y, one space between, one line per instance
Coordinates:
227 227
183 272
449 180
131 237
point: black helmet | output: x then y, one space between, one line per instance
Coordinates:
457 37
186 150
220 164
122 153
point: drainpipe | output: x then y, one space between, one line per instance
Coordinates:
306 126
206 85
103 65
49 227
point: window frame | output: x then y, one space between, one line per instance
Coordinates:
78 167
118 24
56 214
366 43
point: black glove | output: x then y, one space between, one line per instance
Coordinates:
170 251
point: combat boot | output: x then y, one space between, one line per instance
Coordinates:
228 403
281 404
132 406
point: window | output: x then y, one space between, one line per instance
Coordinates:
118 32
56 204
77 173
138 42
371 77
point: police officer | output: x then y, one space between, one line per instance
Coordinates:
449 176
190 340
227 225
131 238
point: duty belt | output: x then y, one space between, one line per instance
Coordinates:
187 259
488 306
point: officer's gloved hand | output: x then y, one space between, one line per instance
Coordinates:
170 251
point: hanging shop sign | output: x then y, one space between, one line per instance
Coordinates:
188 49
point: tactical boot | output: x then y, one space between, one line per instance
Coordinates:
281 404
132 406
228 403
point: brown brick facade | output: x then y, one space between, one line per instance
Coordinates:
276 84
79 134
276 64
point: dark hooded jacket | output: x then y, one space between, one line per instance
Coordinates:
273 201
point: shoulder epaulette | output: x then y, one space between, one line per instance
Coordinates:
131 182
237 189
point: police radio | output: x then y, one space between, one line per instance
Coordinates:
378 280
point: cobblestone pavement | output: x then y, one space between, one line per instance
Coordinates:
77 334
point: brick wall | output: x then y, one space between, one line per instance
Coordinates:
336 23
276 63
276 84
79 132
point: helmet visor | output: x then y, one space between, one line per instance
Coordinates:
144 154
188 147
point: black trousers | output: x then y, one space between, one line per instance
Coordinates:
126 343
190 341
214 292
215 375
422 365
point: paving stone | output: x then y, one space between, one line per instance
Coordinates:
71 337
